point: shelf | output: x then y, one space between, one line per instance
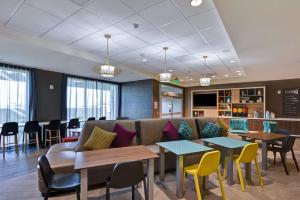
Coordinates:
250 103
224 110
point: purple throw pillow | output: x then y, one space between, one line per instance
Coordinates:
170 132
124 137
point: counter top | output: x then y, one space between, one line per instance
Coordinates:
275 119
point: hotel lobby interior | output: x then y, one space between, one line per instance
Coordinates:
149 99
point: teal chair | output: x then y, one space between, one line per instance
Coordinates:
270 127
238 126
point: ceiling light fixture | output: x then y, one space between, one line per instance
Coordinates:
165 76
170 70
213 76
204 81
107 70
226 75
233 61
196 3
240 74
144 60
238 71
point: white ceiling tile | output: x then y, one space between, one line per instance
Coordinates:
80 2
138 5
7 8
206 19
215 33
162 13
178 28
220 45
59 8
88 21
111 10
132 43
66 33
31 20
188 10
153 37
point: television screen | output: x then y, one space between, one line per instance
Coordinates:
205 100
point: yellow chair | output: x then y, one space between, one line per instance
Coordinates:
209 163
247 155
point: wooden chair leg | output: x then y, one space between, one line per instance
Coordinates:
16 144
145 189
45 142
46 196
295 160
37 142
50 138
284 163
274 153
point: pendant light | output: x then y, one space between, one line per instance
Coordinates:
204 81
195 3
107 70
165 76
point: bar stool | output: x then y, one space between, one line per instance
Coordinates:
73 127
31 128
9 129
91 119
53 126
102 118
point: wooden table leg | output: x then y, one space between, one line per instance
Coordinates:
83 184
248 171
150 179
161 164
264 155
230 166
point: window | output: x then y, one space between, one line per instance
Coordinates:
14 101
90 98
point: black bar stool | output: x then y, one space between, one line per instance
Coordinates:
31 129
73 127
52 127
102 118
91 119
9 129
58 182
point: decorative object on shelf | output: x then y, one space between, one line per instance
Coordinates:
267 116
228 100
165 76
259 92
107 70
204 81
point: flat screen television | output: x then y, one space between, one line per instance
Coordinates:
205 100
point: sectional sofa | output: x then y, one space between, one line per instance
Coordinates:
149 131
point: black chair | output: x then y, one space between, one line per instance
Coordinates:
91 119
123 177
30 128
73 126
286 146
53 127
9 129
102 118
64 182
122 118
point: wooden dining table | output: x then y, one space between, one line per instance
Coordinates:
265 138
88 159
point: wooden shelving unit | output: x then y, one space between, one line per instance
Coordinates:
224 102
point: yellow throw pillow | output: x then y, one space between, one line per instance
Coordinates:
224 126
100 139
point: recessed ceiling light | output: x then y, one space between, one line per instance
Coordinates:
191 79
144 60
233 61
213 76
196 2
238 71
226 75
240 74
170 70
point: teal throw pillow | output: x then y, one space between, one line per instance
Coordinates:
184 131
211 130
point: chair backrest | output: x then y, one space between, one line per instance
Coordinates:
288 144
209 163
282 131
45 168
248 153
102 118
54 125
239 125
32 127
74 123
127 174
91 119
270 127
10 128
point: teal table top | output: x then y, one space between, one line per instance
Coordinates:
181 147
226 142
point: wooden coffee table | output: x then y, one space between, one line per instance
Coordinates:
265 138
88 159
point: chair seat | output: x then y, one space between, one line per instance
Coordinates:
192 169
65 181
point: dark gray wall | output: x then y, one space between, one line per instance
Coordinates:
48 102
137 99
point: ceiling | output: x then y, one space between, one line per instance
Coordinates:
68 36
